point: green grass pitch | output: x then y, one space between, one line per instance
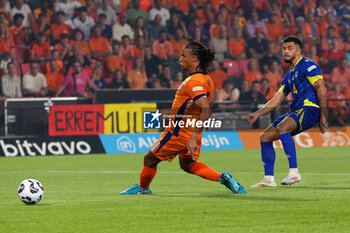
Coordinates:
82 195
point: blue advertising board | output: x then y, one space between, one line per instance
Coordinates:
141 142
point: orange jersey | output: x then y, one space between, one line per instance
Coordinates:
173 141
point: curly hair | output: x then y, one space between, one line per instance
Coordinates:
204 54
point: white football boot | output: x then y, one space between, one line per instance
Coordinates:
266 182
292 178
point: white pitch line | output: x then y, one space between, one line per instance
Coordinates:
159 172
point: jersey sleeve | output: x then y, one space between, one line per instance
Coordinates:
196 90
312 72
284 86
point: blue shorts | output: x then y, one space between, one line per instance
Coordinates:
305 118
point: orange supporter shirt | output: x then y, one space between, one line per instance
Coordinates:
41 51
17 40
48 14
59 66
8 15
178 46
197 85
269 94
4 46
127 53
83 47
274 79
115 63
162 50
54 81
100 44
57 30
218 78
200 13
236 47
214 30
252 76
182 5
137 79
274 30
137 52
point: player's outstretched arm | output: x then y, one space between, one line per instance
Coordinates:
268 107
321 90
205 107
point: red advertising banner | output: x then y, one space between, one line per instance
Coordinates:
76 120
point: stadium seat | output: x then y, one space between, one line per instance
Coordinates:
25 68
244 65
18 55
233 68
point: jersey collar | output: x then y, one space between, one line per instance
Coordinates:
198 72
301 57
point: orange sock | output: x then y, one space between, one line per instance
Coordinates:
202 170
146 176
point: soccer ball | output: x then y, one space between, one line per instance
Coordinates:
30 191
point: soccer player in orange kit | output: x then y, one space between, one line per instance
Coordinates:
193 100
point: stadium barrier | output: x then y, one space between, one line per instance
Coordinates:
141 142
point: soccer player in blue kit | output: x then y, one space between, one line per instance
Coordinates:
304 80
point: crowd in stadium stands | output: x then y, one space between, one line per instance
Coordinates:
75 47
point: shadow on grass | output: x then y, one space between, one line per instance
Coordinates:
319 188
249 196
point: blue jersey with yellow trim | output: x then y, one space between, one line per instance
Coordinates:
300 82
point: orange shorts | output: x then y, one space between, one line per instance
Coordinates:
168 146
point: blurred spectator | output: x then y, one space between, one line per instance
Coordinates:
41 49
140 28
273 75
266 89
217 75
75 83
85 65
214 30
118 81
341 74
344 12
122 28
5 15
79 45
19 34
158 9
152 62
324 9
59 27
134 12
237 45
331 57
68 7
5 60
257 46
164 78
137 78
329 20
251 99
268 58
45 8
115 61
63 47
206 14
97 76
233 26
245 86
11 83
288 20
337 106
174 23
255 24
313 54
228 92
154 28
196 22
253 73
162 47
34 83
24 9
107 10
198 35
178 42
254 7
139 46
91 10
219 44
54 78
106 29
99 45
83 22
56 58
274 27
41 26
179 78
5 40
126 49
310 29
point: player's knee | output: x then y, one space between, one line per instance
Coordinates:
186 166
268 137
150 160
